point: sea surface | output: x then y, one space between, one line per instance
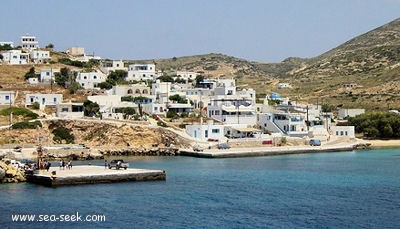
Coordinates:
359 189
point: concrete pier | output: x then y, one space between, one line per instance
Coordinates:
264 151
91 174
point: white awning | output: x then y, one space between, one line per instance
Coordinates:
247 129
237 109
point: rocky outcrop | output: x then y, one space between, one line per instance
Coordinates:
10 173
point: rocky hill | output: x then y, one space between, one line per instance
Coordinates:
96 135
371 61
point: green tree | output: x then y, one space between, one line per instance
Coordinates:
177 98
91 109
74 87
199 79
64 78
387 131
50 46
30 73
166 78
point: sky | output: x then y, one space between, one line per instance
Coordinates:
255 30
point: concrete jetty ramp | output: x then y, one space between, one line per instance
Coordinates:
91 174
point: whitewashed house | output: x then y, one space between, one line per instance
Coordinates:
134 90
39 56
139 72
28 42
232 110
75 51
348 131
344 113
47 75
161 88
70 110
284 85
90 80
184 75
15 57
199 96
43 99
7 97
225 87
291 124
206 131
112 65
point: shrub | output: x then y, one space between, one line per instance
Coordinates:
159 123
26 125
35 105
62 133
19 111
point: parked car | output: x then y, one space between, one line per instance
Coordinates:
197 148
18 149
223 146
117 164
315 142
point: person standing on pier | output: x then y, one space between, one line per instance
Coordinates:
105 164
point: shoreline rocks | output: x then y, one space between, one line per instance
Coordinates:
10 173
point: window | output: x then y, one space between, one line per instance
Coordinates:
85 77
94 77
206 133
55 100
215 131
47 73
7 97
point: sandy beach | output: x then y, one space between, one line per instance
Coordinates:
384 143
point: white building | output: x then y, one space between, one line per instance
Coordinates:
232 110
70 110
199 96
14 57
43 99
75 51
206 131
134 90
343 113
184 75
291 124
90 80
7 97
28 42
284 85
106 102
161 88
112 65
225 87
40 57
141 72
348 131
47 75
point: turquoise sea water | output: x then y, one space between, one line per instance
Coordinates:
359 189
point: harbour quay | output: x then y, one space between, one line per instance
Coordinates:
92 174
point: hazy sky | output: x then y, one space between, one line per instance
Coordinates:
256 30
